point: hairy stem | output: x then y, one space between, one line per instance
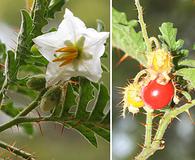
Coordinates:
143 25
158 143
156 42
148 134
16 151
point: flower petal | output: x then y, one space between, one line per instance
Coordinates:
55 74
71 27
48 43
94 42
91 69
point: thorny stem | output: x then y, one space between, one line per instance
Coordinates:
16 151
143 25
148 134
158 143
21 120
61 120
16 121
24 112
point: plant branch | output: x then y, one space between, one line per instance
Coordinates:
16 151
24 112
148 134
158 143
143 25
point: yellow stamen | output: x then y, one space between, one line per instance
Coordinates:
68 54
66 62
68 49
65 57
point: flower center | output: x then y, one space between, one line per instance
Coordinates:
67 55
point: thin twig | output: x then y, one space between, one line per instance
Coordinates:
16 151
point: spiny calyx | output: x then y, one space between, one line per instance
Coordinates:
159 63
132 98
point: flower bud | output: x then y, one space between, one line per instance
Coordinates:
51 98
36 82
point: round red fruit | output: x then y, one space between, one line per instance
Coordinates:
157 96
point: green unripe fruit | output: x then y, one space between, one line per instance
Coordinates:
51 99
36 82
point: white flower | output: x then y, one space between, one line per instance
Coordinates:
73 50
8 36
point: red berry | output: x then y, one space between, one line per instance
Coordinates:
157 96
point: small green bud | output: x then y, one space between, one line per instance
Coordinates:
36 82
34 50
51 99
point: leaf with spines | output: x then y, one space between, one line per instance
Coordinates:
39 15
87 122
25 37
125 37
70 100
31 27
86 94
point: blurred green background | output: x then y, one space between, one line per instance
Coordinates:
52 145
128 133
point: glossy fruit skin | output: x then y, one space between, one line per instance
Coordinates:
158 96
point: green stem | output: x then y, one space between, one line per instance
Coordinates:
139 75
156 42
148 134
19 120
16 151
32 106
158 143
24 112
143 25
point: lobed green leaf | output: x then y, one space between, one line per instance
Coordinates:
188 75
125 37
169 36
188 62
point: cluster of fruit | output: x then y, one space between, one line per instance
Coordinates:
152 87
